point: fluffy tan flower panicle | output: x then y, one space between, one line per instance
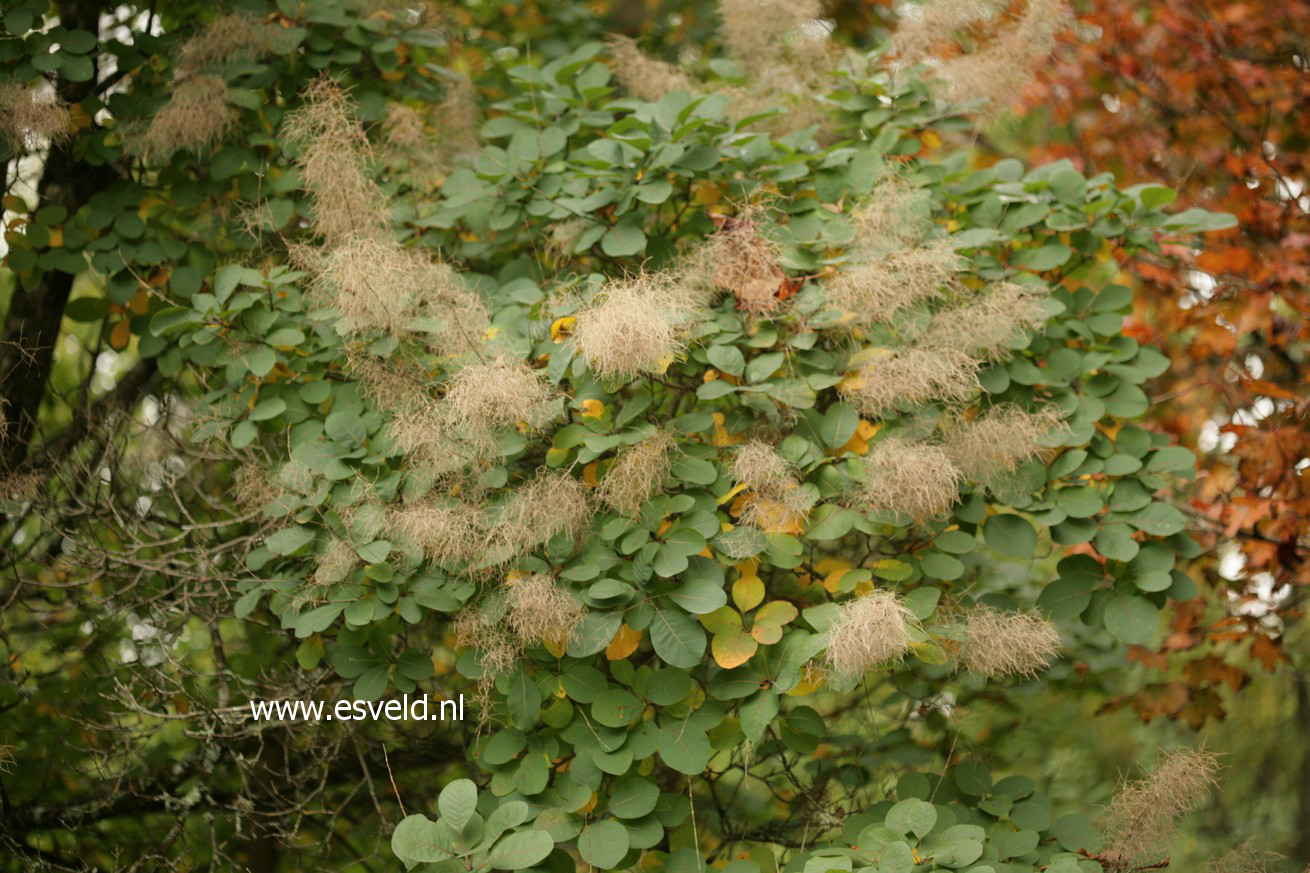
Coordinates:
997 72
760 32
633 330
335 563
496 646
641 75
896 215
869 631
550 504
447 532
333 153
373 283
1000 643
498 395
737 259
225 40
912 479
196 116
776 502
637 475
408 148
458 119
540 611
924 27
759 466
911 376
876 289
1246 858
984 327
30 116
1142 816
999 440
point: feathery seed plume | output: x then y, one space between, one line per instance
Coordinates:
447 532
998 643
496 647
333 152
875 290
642 76
868 631
498 394
985 327
225 40
541 611
759 466
737 259
631 331
1246 858
637 474
997 72
999 440
31 115
197 116
1143 814
335 563
549 504
911 376
924 27
913 479
757 32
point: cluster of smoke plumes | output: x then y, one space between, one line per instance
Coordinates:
637 474
374 283
782 47
868 632
997 643
197 114
537 611
738 259
1143 815
409 147
482 401
31 116
634 327
1246 858
775 501
1007 44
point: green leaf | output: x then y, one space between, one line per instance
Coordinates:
678 639
457 803
684 748
524 700
912 816
758 713
623 240
1011 535
1131 619
896 858
521 850
289 540
603 844
632 797
616 708
419 839
729 359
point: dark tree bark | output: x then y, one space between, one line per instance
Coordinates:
31 327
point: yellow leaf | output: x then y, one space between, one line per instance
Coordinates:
858 444
562 328
731 494
747 592
120 335
766 632
721 435
733 649
723 620
779 612
589 475
592 408
625 642
555 646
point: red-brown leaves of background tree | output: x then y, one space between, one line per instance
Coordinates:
1214 98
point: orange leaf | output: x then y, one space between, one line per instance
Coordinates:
625 642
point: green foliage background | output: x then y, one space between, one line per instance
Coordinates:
679 753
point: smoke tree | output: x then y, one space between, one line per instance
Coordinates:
719 434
